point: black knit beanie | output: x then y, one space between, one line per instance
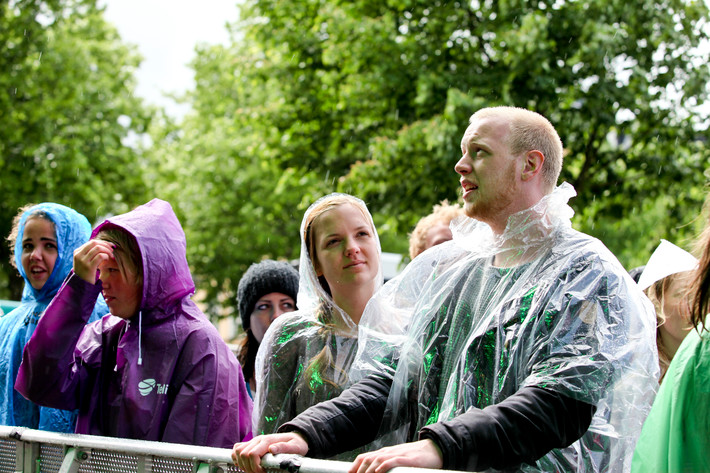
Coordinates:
264 278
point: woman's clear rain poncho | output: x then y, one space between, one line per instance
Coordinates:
457 333
303 359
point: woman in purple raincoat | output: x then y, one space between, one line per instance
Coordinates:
156 368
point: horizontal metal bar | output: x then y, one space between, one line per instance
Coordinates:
293 463
131 446
288 463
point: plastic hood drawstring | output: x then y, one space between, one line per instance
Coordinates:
140 332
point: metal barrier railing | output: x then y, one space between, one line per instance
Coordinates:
33 451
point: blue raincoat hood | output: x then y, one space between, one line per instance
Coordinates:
72 230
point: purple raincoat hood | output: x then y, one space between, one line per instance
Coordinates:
162 244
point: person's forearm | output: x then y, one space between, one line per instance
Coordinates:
45 373
346 422
522 428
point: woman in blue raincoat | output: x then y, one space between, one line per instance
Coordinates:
42 242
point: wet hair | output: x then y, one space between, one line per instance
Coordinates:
126 251
248 348
700 287
317 367
656 292
443 213
530 131
12 237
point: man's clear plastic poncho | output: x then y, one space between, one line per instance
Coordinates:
556 311
302 361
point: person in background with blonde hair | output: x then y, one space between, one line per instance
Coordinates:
305 355
676 434
433 229
665 280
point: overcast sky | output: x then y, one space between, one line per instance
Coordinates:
166 33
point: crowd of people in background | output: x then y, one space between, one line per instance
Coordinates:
510 342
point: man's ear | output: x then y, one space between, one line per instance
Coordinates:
532 164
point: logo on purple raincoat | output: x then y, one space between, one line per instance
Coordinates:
146 386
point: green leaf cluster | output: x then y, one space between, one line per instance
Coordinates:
68 115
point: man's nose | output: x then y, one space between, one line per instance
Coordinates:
463 166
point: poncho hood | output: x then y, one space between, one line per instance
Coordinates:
287 383
162 243
310 291
72 230
528 228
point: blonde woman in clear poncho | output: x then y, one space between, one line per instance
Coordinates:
520 345
305 355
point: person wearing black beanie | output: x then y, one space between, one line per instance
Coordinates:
266 290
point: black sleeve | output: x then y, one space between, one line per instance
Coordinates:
346 422
520 429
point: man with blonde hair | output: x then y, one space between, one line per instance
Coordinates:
523 345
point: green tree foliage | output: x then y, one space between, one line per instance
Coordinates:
68 115
372 98
619 81
235 203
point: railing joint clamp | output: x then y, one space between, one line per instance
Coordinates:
291 465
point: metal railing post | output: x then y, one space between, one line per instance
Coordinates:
28 460
72 460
